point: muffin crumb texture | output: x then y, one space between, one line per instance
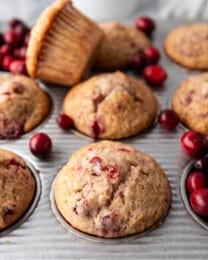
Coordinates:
188 45
119 46
17 188
111 106
23 105
110 190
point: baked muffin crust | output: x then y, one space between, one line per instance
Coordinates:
23 105
109 189
119 46
190 102
111 106
17 188
188 45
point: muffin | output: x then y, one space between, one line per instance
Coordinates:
188 45
120 44
62 45
23 105
110 190
111 106
17 188
190 102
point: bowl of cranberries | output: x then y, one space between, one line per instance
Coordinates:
194 179
13 47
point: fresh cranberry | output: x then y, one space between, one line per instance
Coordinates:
193 143
152 55
168 119
40 145
1 39
145 24
199 201
12 38
154 75
1 59
202 164
15 22
5 49
20 53
139 61
65 122
22 31
7 60
18 67
195 181
26 39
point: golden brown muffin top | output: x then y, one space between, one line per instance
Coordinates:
109 189
111 106
23 105
188 45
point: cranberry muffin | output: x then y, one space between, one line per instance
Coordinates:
23 105
62 44
111 106
188 45
17 188
190 102
119 46
110 190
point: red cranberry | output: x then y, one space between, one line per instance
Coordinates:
1 58
139 61
40 145
154 75
64 121
195 181
22 31
7 213
15 22
18 67
26 39
193 143
1 39
168 119
199 202
7 60
20 53
96 160
152 55
145 24
12 38
202 164
5 49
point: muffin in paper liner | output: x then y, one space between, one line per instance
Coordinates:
62 45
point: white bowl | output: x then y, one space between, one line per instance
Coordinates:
107 9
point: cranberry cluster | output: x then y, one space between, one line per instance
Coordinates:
13 46
196 145
197 187
145 61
